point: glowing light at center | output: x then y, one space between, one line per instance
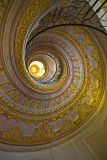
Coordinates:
37 69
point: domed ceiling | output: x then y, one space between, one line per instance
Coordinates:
51 87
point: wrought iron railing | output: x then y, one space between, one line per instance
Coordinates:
79 12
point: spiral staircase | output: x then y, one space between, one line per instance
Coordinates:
53 87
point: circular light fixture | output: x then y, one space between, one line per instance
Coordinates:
37 69
33 69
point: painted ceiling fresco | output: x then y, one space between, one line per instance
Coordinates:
40 110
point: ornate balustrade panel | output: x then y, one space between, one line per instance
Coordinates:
89 13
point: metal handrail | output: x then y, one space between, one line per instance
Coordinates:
78 13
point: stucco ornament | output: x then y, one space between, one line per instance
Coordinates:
62 71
